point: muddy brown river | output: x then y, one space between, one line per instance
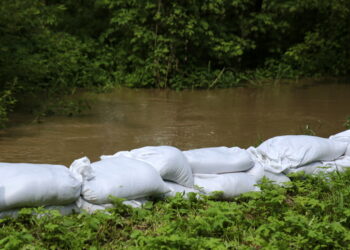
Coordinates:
127 119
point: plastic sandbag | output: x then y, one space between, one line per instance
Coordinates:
231 185
218 160
63 210
340 165
341 162
168 161
257 171
278 179
342 136
176 188
90 208
32 185
120 177
135 203
311 168
291 151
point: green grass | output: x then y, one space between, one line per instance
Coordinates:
311 212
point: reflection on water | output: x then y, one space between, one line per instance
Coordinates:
127 119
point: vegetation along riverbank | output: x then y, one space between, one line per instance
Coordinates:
51 48
309 212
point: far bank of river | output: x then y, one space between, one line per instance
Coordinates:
129 118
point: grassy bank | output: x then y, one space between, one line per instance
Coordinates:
312 212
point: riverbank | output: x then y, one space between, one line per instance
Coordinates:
54 48
75 104
310 212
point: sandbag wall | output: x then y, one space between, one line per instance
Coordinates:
163 171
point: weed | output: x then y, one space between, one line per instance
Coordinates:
310 212
347 123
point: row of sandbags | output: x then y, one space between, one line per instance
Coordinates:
162 171
282 155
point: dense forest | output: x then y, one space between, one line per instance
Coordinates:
51 48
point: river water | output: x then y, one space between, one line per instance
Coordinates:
128 118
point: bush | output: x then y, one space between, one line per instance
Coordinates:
54 47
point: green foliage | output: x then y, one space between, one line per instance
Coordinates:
325 47
311 212
51 48
7 101
180 44
43 61
307 130
60 107
347 123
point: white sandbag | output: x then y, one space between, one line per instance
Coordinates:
340 165
82 169
311 168
63 210
168 161
176 188
292 151
218 160
138 203
120 177
342 136
90 208
257 171
31 185
328 168
347 152
315 168
343 162
279 179
231 185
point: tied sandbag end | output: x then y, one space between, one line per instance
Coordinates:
81 169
